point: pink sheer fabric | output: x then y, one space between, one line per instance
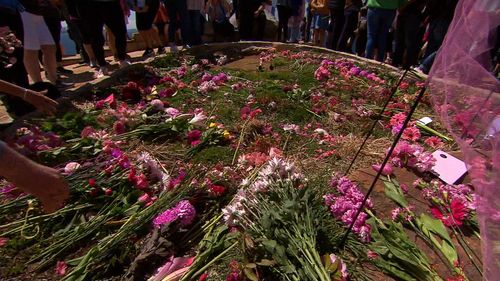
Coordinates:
466 96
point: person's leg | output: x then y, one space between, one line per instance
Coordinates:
116 22
195 23
385 24
426 64
309 19
351 20
372 33
283 17
437 32
399 40
337 17
32 66
54 26
322 37
36 35
412 40
261 27
182 12
173 25
49 62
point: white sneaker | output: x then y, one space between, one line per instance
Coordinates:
103 71
124 63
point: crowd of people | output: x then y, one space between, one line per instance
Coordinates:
404 33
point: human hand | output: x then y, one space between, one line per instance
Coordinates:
46 184
41 102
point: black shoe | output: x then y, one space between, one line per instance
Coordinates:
148 53
62 70
161 50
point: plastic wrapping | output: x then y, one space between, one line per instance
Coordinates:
466 96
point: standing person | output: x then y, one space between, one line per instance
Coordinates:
145 13
440 15
37 37
296 19
178 16
218 14
261 19
76 11
161 22
284 13
380 16
351 16
407 34
96 13
245 12
53 22
195 8
321 14
337 20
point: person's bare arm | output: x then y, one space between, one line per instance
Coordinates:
37 99
43 182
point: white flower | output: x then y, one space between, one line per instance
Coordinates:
198 119
321 132
71 167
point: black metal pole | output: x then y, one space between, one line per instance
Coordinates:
379 116
387 157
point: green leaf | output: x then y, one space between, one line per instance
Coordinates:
270 245
250 274
393 191
266 262
436 226
250 265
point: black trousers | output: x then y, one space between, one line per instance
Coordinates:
284 14
407 39
54 25
337 16
94 16
350 24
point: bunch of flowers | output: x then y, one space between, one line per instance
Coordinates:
452 204
276 170
147 163
344 204
411 133
8 45
183 212
412 156
31 141
347 68
323 71
341 273
403 214
211 83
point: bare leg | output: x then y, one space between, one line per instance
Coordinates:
90 53
32 66
49 62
